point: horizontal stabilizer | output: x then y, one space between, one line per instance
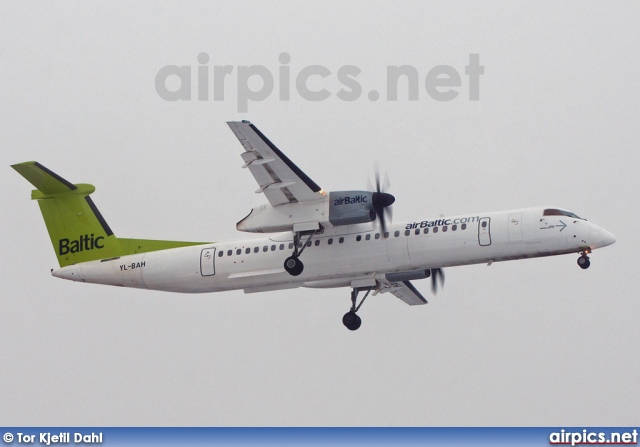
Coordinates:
46 181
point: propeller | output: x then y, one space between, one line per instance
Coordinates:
435 275
382 202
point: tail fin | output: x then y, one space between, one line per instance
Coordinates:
77 230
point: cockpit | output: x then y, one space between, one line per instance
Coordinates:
557 212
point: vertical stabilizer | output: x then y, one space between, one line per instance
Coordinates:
77 230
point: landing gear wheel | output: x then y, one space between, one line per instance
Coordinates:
293 265
351 320
583 262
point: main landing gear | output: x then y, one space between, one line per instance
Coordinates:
293 265
583 260
351 319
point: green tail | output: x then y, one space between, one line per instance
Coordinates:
77 230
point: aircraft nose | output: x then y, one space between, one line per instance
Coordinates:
607 238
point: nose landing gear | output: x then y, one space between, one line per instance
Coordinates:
351 320
583 260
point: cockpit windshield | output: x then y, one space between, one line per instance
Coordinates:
557 212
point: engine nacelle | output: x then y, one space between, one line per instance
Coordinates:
351 207
405 276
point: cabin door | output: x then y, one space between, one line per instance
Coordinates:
484 231
207 262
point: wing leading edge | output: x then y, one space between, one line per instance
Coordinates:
278 178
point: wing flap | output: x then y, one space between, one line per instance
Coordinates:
278 178
405 291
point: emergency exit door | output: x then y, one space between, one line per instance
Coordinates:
515 227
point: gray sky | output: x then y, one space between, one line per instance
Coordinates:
534 342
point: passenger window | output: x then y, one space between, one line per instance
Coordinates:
358 238
265 248
377 236
290 246
417 232
308 243
435 229
445 228
407 232
368 237
238 251
221 253
425 231
463 226
247 251
386 234
229 252
256 249
330 241
396 234
341 240
273 248
484 224
281 246
454 227
317 242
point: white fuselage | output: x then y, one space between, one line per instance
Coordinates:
341 255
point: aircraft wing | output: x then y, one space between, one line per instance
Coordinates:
278 178
405 291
